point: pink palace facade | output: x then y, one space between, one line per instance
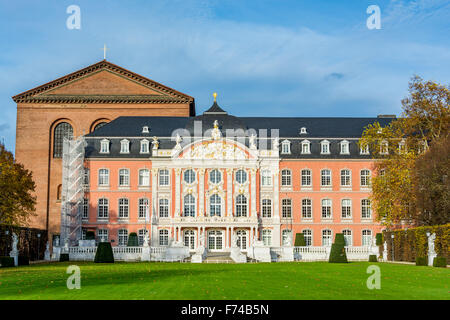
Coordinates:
216 177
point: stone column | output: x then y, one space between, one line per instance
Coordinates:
276 207
201 192
177 192
153 212
253 193
229 192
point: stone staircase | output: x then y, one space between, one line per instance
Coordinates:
218 257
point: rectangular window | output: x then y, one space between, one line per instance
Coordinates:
366 212
164 177
85 214
285 178
346 208
267 208
103 235
123 237
286 208
103 177
326 238
365 178
144 177
326 209
163 208
124 177
306 208
308 237
143 208
326 178
164 237
141 235
306 178
346 178
86 177
123 208
266 178
103 208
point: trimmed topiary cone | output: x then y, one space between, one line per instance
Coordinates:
440 262
421 261
104 253
337 254
300 240
132 240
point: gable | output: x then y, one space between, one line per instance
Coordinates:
103 82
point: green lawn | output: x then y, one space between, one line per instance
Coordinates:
315 280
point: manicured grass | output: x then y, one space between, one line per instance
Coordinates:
317 280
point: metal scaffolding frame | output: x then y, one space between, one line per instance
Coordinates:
72 193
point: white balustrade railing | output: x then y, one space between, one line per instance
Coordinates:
358 253
311 253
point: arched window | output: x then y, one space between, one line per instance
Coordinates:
189 205
241 206
99 125
215 205
62 130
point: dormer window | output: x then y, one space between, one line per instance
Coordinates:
402 146
384 147
303 130
286 147
124 146
104 146
145 129
325 147
345 147
145 146
306 147
364 149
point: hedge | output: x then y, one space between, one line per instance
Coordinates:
6 262
421 261
104 253
373 258
413 242
379 239
337 254
63 257
90 235
132 240
300 240
23 260
440 262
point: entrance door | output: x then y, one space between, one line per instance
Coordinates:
215 240
242 239
189 239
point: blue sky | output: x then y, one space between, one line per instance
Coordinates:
264 58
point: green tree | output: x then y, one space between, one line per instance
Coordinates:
17 202
398 146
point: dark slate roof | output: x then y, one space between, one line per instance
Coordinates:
333 129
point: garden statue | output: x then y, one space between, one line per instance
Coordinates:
276 144
47 251
252 142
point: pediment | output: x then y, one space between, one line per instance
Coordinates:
103 82
216 150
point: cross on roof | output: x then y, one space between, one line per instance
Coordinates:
104 51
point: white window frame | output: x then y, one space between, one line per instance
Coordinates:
266 236
366 209
306 176
123 208
286 147
266 208
163 237
327 177
164 177
346 208
364 150
124 177
345 147
266 178
366 239
104 146
286 208
286 178
189 206
143 208
307 144
325 204
124 146
104 212
285 236
384 147
122 237
348 237
103 177
241 206
241 176
163 208
346 177
306 208
145 146
215 205
365 179
103 235
85 212
142 177
325 144
327 237
189 176
215 176
308 235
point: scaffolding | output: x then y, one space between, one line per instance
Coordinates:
72 193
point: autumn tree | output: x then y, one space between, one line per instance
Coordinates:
17 202
398 146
